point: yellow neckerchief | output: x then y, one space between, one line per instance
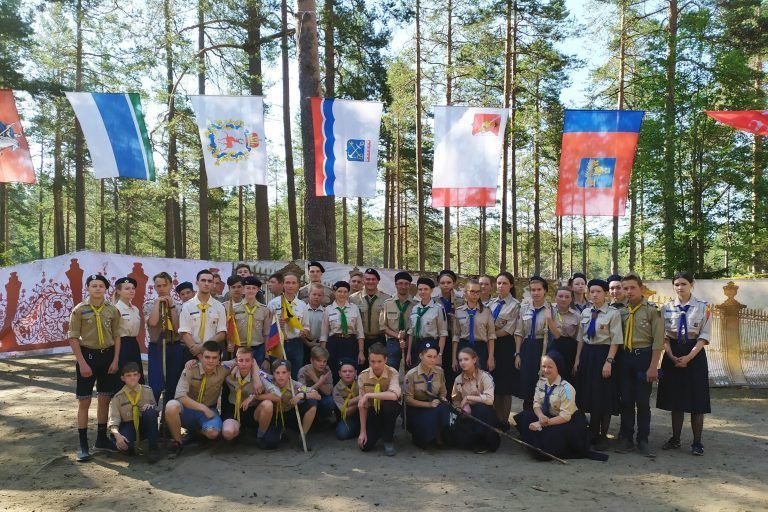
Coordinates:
135 413
166 316
630 327
239 393
377 389
350 394
99 328
202 385
203 307
280 411
250 312
235 333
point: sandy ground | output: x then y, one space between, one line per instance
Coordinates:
38 471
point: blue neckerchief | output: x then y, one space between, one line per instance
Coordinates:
428 379
592 329
547 393
682 324
447 305
497 309
536 312
471 313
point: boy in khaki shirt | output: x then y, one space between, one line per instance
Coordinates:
379 402
133 414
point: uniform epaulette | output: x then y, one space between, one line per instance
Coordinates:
567 390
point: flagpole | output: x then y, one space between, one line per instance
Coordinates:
293 393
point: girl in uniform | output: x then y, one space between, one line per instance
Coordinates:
600 336
529 339
486 284
427 415
130 323
342 331
473 327
505 310
578 283
448 298
684 376
428 323
473 393
563 327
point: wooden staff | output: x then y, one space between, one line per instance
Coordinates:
293 393
166 332
402 369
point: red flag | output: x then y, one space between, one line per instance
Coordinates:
752 121
486 123
15 160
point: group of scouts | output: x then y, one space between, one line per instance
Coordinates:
464 356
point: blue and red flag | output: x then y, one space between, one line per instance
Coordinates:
596 161
274 344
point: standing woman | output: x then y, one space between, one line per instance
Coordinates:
505 310
473 327
428 323
529 339
684 379
342 331
600 336
578 283
447 297
486 284
427 416
563 328
130 323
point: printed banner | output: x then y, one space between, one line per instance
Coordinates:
596 161
117 137
346 146
751 121
15 160
468 144
232 134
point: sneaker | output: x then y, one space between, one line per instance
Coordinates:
389 449
481 450
625 446
83 455
154 455
672 444
644 449
602 444
697 449
175 449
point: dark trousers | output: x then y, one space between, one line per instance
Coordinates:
381 425
130 353
176 356
635 393
394 353
339 348
370 341
147 428
294 352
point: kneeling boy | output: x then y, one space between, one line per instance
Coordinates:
379 401
243 409
133 414
346 395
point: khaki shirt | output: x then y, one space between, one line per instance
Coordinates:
120 408
416 383
607 329
308 376
567 323
484 329
332 321
371 315
130 320
299 309
191 316
698 318
480 385
315 321
526 318
508 315
390 314
581 307
82 325
389 380
327 294
433 324
155 332
455 302
341 391
285 393
232 383
260 324
562 401
191 380
648 326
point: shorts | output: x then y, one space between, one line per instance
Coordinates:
107 383
193 420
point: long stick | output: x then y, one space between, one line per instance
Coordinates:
165 317
460 412
402 369
293 393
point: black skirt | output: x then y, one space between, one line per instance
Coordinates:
568 440
505 377
684 389
594 394
530 366
566 347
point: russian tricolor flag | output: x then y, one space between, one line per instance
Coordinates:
346 146
597 156
117 137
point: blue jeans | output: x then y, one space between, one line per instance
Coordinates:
326 406
349 428
147 427
176 355
294 352
193 420
259 353
394 353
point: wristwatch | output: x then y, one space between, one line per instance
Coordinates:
610 360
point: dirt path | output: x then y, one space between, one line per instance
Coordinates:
38 471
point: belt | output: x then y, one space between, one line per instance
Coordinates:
638 351
97 350
374 336
344 337
167 343
687 340
476 341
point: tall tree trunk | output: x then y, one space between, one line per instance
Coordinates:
585 244
620 106
481 256
59 239
458 241
513 141
448 101
290 181
40 217
240 224
102 219
79 142
115 208
319 212
399 192
128 227
5 246
536 180
359 259
172 141
205 237
419 141
344 231
387 201
759 221
670 145
505 149
560 247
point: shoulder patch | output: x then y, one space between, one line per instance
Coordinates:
567 390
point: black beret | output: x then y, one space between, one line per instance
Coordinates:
425 280
234 280
186 285
447 272
340 284
598 282
125 280
429 345
316 264
97 277
539 279
373 272
346 360
613 277
251 281
579 274
403 275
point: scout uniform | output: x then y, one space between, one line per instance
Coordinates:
685 389
240 388
581 306
474 328
532 328
464 432
599 328
427 323
371 307
205 388
348 426
568 324
130 324
395 316
505 312
202 320
95 328
342 328
327 294
307 377
253 323
315 323
126 415
294 346
164 337
449 305
281 418
381 414
425 423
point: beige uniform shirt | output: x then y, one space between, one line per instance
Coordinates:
234 380
391 314
698 319
562 400
417 383
455 300
192 380
480 385
567 323
648 326
308 376
508 315
154 332
607 329
82 325
484 327
120 408
525 322
285 393
371 307
389 381
327 294
342 391
433 323
315 321
260 319
130 320
191 315
299 309
332 321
